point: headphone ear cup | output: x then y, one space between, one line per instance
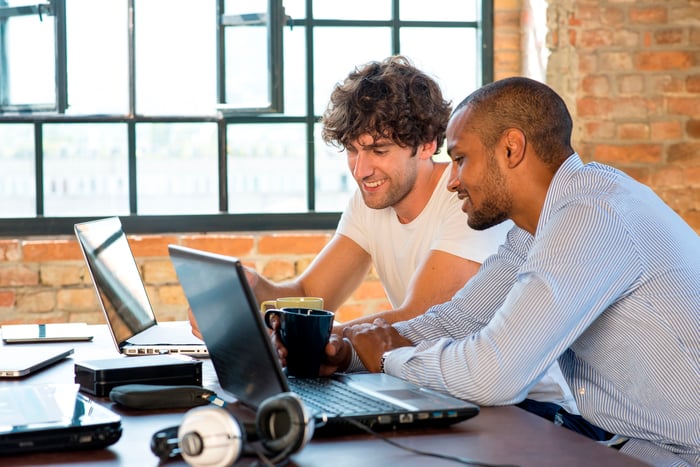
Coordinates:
283 425
210 436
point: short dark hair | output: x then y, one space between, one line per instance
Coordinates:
390 99
523 103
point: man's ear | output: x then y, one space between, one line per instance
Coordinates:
427 150
514 141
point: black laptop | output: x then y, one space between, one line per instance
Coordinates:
123 297
53 417
248 368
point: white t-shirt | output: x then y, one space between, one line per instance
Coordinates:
397 249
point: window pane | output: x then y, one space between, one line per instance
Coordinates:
358 9
177 168
334 182
98 78
425 47
267 168
17 175
30 60
294 71
85 170
296 9
338 51
247 77
175 57
440 10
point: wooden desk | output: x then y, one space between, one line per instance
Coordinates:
498 435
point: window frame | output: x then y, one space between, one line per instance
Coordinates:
223 221
57 10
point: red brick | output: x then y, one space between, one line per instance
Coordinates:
77 300
278 270
685 153
666 84
36 302
151 245
349 312
671 129
158 272
692 83
10 250
627 131
369 290
593 107
596 38
692 128
626 154
7 298
239 245
18 275
664 60
616 61
600 129
50 250
625 38
668 176
630 84
292 243
506 20
650 15
641 174
596 85
669 36
683 106
60 274
692 176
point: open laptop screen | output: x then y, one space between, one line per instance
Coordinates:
116 277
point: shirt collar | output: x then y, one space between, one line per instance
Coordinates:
558 186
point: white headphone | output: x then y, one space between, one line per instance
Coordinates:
210 436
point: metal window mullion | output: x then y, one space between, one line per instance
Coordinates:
222 140
310 116
485 33
133 175
59 10
39 167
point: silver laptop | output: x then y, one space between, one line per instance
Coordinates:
123 298
248 368
22 360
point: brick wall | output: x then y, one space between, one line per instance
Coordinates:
45 280
629 71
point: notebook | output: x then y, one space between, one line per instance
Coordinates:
18 361
122 295
45 332
247 366
51 417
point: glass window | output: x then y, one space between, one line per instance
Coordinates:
267 168
17 177
27 48
175 67
195 109
85 169
177 168
98 64
339 50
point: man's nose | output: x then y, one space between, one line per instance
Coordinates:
453 180
363 165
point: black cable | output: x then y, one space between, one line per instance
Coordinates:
458 459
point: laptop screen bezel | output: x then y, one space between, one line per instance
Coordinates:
248 389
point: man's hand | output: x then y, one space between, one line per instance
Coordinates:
277 340
372 340
338 355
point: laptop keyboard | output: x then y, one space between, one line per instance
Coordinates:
325 395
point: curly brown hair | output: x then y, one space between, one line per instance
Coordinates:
388 99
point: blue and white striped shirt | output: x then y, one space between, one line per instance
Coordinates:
610 286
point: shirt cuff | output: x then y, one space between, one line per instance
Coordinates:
355 362
394 360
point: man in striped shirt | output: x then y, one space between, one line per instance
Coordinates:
598 274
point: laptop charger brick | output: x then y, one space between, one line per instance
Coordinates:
99 377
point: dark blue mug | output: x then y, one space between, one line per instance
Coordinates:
305 333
